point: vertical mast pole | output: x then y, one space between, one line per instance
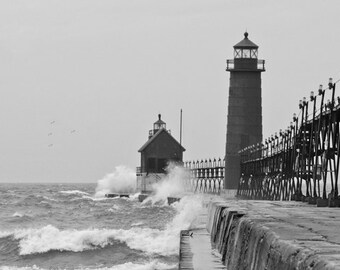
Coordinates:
180 129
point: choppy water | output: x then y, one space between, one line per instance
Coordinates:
64 226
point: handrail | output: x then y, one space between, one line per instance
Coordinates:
301 163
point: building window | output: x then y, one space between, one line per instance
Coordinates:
151 165
162 164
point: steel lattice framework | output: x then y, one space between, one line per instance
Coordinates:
206 176
300 163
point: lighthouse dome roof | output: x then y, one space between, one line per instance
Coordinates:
246 43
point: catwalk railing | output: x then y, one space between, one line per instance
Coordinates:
300 163
206 176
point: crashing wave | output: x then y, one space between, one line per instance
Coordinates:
121 180
113 209
74 192
151 241
50 238
151 265
17 214
136 224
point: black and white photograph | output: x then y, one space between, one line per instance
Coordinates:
169 134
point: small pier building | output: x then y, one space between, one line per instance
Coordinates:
160 149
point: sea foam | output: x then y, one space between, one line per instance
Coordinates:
173 184
78 192
17 214
152 241
49 238
151 265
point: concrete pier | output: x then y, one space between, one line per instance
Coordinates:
196 251
171 200
272 235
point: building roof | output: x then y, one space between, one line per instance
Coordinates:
155 136
246 43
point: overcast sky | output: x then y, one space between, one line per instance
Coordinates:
82 81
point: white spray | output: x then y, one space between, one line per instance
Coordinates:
121 180
171 185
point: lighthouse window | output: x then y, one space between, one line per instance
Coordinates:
246 53
237 53
253 53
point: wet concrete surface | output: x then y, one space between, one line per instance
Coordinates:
295 228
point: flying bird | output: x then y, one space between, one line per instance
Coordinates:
49 134
50 145
52 122
73 131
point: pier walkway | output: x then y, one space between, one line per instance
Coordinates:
269 235
196 251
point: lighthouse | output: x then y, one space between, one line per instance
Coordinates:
244 121
157 153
